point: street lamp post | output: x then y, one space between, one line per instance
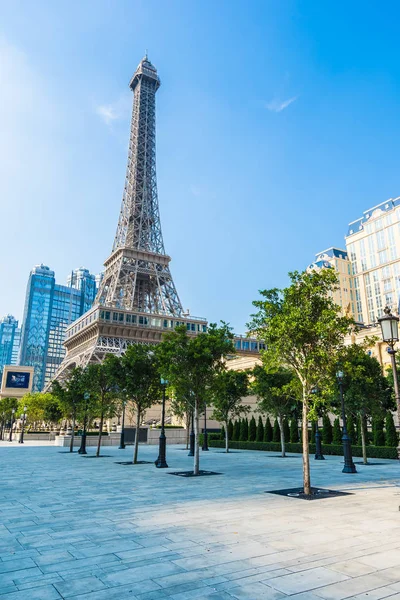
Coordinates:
122 436
82 449
11 424
349 466
390 334
192 435
161 462
205 435
23 420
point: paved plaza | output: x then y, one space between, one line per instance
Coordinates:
86 528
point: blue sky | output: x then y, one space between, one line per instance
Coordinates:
277 124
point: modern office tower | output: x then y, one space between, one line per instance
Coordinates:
49 309
137 300
373 247
10 337
336 258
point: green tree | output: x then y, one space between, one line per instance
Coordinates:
223 433
260 430
268 431
337 432
244 430
368 393
7 405
230 430
327 433
103 387
191 365
236 430
70 395
140 379
302 328
391 438
275 391
229 388
294 431
252 429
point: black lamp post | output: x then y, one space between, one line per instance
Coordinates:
349 466
23 420
161 462
11 424
192 435
82 449
318 444
390 334
122 436
205 436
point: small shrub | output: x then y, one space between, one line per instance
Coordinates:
337 432
252 429
379 436
351 432
391 437
268 431
230 430
260 430
236 431
294 431
222 436
327 433
276 436
286 430
244 431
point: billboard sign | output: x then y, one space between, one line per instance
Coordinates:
18 380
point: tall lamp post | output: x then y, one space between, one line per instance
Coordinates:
161 462
390 334
349 466
11 424
205 436
23 420
318 445
82 449
192 435
122 436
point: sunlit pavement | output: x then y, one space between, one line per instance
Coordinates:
87 528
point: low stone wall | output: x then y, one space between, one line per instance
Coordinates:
112 439
173 436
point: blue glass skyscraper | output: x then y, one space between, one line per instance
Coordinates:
10 337
49 309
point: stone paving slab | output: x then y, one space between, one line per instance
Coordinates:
95 530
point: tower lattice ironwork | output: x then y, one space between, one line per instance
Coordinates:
137 275
137 300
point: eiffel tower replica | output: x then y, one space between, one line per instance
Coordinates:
137 300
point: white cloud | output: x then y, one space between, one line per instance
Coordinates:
115 111
277 105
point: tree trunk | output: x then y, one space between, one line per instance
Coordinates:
196 461
363 437
100 434
280 423
71 444
136 446
306 449
226 436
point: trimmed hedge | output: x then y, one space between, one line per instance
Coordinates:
336 450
